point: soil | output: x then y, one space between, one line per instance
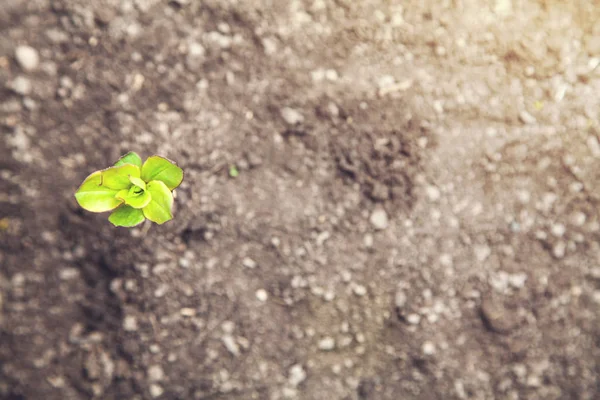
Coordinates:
415 216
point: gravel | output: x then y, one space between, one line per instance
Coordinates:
292 116
27 57
262 295
21 85
327 344
155 373
379 219
297 375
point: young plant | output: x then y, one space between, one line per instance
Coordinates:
135 191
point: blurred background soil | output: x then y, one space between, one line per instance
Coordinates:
415 216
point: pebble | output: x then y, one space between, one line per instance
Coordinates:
527 118
496 316
433 193
297 375
428 348
291 116
446 260
231 345
249 263
155 373
594 146
558 230
379 219
482 252
262 295
368 240
559 249
195 56
130 323
400 299
327 344
359 290
187 312
413 319
21 85
269 45
27 57
578 218
156 390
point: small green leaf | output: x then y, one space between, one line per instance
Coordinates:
233 171
135 200
159 208
137 182
93 197
118 177
130 158
126 216
160 169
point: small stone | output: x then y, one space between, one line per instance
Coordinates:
482 252
155 373
558 230
156 390
297 375
322 238
262 295
594 146
184 263
327 344
386 81
359 290
517 281
496 317
446 260
27 57
428 348
559 249
331 75
413 319
228 326
231 345
333 109
433 193
368 240
269 45
400 299
130 323
291 116
66 274
379 219
21 85
527 118
247 262
187 312
578 218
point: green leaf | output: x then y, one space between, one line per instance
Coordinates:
137 182
118 177
126 216
160 169
135 200
159 208
130 158
94 197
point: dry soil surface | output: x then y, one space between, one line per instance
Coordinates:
415 216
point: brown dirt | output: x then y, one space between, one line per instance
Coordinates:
427 230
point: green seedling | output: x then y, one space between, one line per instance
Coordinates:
135 191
